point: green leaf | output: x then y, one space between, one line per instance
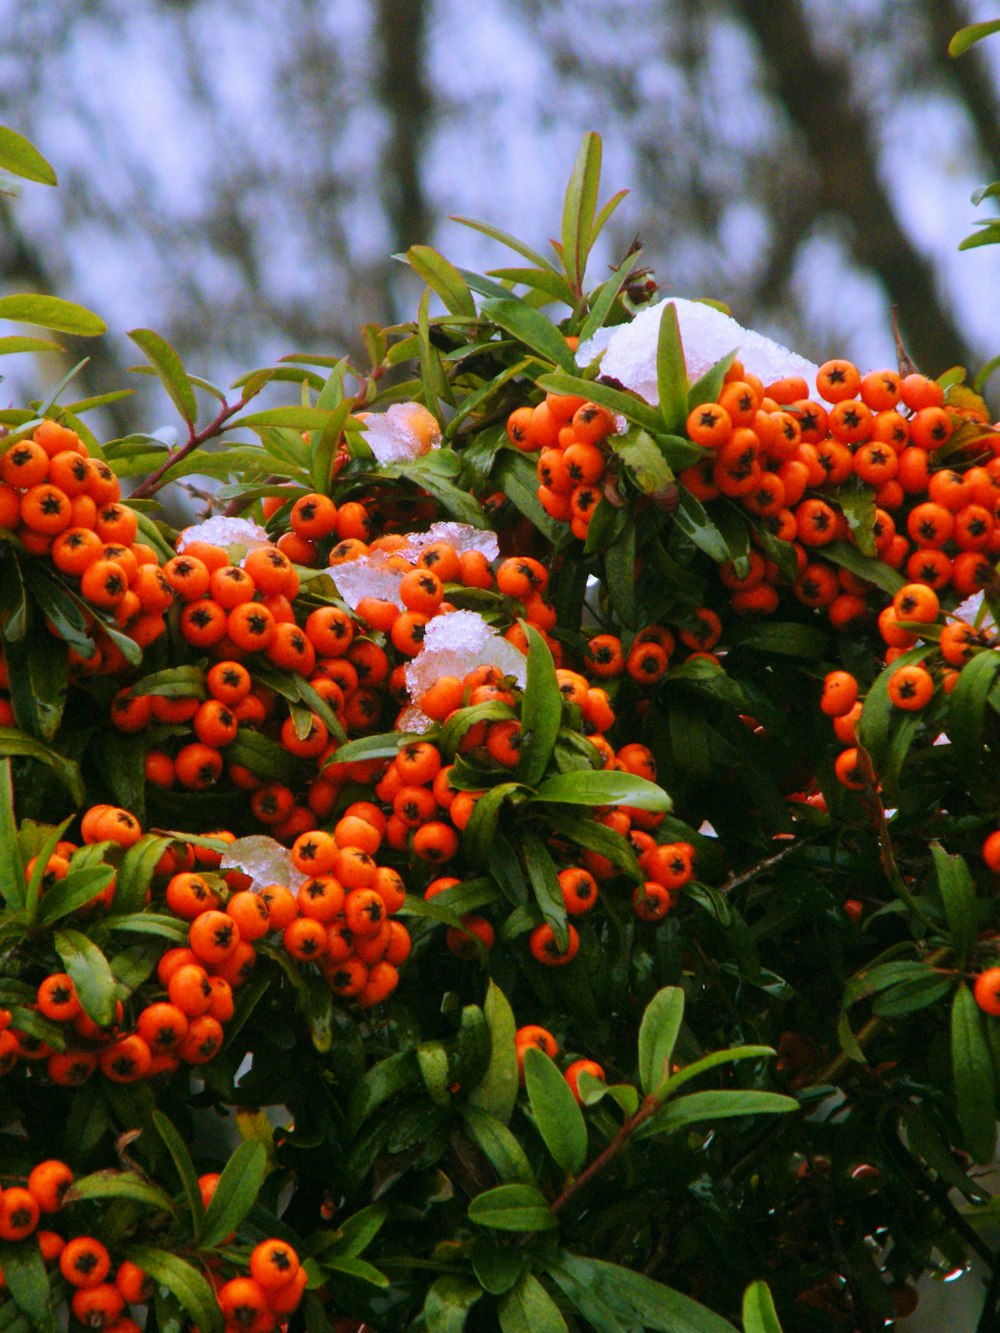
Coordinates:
661 1022
265 757
442 276
541 280
357 1269
528 1308
596 838
693 520
16 343
969 35
185 1167
712 1061
324 444
135 873
541 710
696 1107
75 889
867 567
630 406
557 1115
974 1076
906 997
959 896
784 638
381 1082
291 418
578 210
496 1092
448 1302
455 502
20 157
497 1267
68 773
184 1281
535 330
111 1184
671 372
759 1314
967 707
602 787
516 476
28 1283
619 573
636 1298
170 371
51 312
512 1208
544 881
709 386
644 459
432 1061
498 1144
236 1192
603 298
505 239
59 609
90 973
12 881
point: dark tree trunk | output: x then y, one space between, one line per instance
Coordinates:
815 91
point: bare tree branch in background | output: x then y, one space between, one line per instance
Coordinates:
403 93
815 91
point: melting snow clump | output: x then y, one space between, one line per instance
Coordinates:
264 860
227 532
707 335
401 433
454 644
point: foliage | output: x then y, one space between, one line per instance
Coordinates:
628 837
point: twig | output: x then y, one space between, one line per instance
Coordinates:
152 483
648 1108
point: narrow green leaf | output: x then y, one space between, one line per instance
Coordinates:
693 520
185 1167
20 157
597 838
603 298
51 312
512 1208
630 406
544 881
541 280
708 387
959 895
12 881
448 1302
974 1076
516 476
636 1298
111 1184
908 996
15 343
170 371
28 1283
603 787
867 567
535 330
969 35
967 707
184 1281
712 1061
644 459
90 972
135 873
236 1191
75 889
291 418
619 574
357 1269
496 1092
499 1145
557 1115
442 276
541 710
324 443
432 1061
696 1107
759 1314
671 372
504 238
528 1308
579 208
658 1030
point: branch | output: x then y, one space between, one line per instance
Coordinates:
152 483
648 1108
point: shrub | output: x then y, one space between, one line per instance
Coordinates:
529 860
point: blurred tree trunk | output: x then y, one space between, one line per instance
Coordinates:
815 90
403 93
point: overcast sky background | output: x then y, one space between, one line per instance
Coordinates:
224 167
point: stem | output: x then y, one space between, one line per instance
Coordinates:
152 483
880 827
648 1108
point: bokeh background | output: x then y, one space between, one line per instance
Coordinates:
236 174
